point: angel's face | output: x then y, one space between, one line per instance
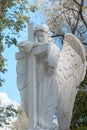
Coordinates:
42 36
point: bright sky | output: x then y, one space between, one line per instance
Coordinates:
9 86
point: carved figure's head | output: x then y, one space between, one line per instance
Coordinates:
42 34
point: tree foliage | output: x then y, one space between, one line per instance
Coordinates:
67 16
79 117
13 18
6 114
22 122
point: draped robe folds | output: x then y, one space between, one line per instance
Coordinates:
47 87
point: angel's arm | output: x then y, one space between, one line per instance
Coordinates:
51 58
27 46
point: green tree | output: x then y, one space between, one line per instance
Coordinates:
79 117
6 114
13 19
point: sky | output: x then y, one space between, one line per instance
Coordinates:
9 86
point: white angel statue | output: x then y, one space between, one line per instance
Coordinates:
65 71
58 75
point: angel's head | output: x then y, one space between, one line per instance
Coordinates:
42 34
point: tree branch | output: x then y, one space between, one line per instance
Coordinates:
76 2
76 24
63 13
84 32
81 15
58 35
68 21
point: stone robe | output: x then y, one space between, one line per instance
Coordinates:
47 87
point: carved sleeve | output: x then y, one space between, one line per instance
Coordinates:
51 59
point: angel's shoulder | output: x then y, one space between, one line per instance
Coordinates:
54 48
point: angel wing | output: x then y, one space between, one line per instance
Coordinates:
71 71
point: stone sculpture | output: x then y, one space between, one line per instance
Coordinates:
48 79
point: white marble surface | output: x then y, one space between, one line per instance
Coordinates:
48 79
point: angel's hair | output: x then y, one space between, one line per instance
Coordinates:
43 28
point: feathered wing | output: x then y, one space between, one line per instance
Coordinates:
71 71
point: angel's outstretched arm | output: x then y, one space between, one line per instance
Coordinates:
27 46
